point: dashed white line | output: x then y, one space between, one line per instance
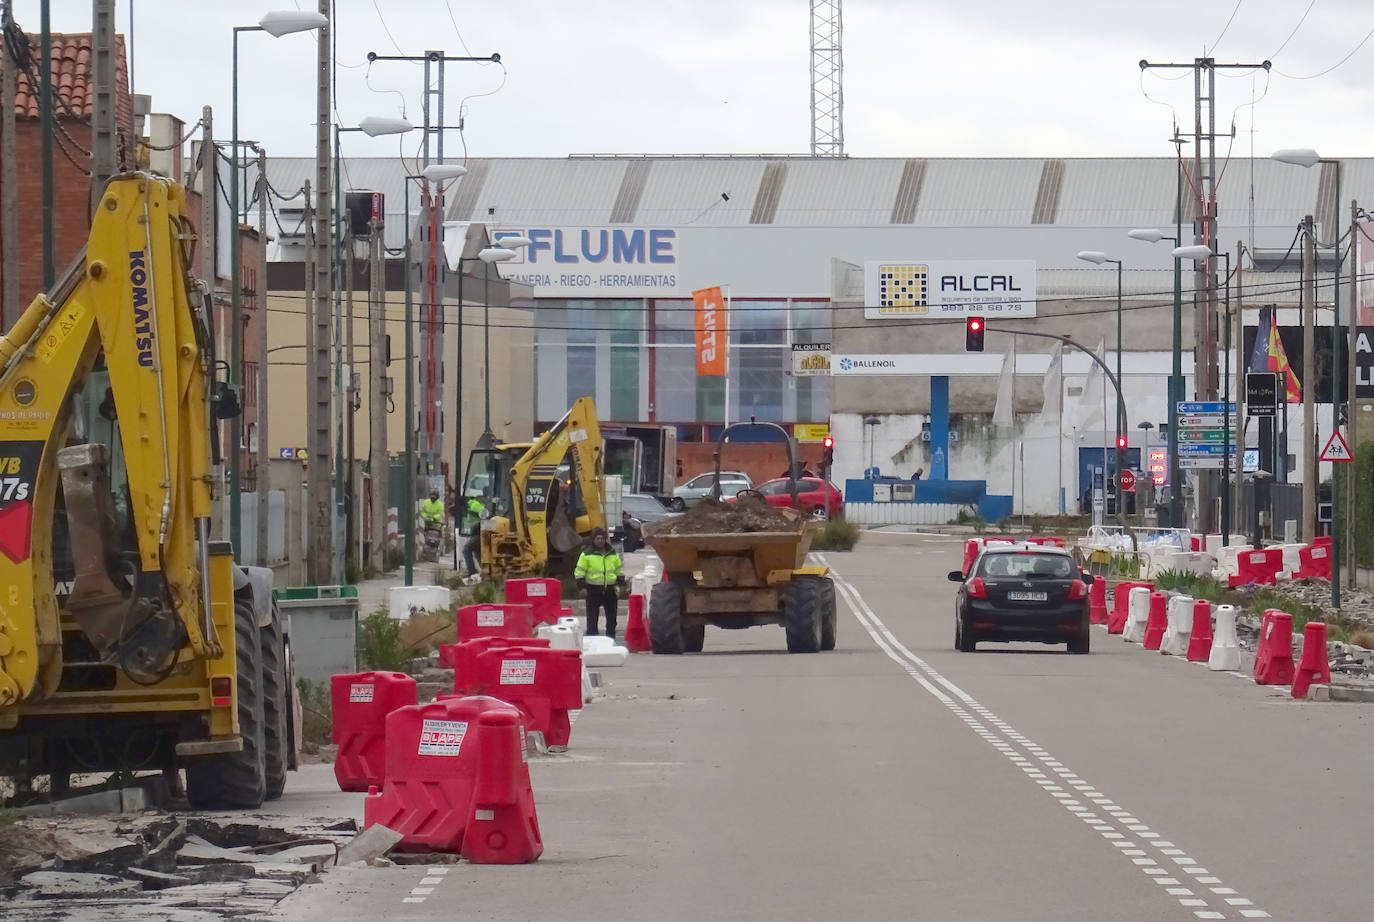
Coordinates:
980 719
420 892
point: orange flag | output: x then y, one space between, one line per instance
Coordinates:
710 329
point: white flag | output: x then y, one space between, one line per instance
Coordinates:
1090 405
1004 413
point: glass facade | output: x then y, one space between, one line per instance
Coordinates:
636 357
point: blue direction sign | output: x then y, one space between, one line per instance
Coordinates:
1194 407
1204 448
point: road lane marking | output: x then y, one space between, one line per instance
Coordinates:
978 718
426 887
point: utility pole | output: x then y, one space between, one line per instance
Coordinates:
9 181
1353 319
1205 232
321 518
264 478
1309 381
378 462
347 377
102 113
45 128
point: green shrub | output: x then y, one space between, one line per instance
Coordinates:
836 535
318 718
379 645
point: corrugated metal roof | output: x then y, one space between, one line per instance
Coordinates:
1118 191
839 192
977 191
569 191
689 190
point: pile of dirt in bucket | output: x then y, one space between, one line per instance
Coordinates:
743 515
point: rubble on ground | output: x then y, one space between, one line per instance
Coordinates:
745 514
158 866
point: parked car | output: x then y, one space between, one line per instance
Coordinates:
1022 592
815 496
643 509
691 492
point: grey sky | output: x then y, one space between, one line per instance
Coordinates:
973 78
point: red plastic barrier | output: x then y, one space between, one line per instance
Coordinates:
1200 641
1116 620
360 703
1321 540
1159 620
637 632
1097 602
460 657
1274 655
502 826
495 620
543 683
1195 543
973 545
1314 562
1260 566
1314 666
431 764
542 594
1047 542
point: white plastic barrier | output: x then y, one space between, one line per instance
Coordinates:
1291 562
1225 655
404 601
569 637
1227 563
1198 562
576 625
1180 628
1137 615
603 651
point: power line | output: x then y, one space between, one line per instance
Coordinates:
1302 20
1234 11
385 28
1323 73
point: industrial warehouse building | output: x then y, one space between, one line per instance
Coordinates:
620 242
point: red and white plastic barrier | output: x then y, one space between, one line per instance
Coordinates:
1178 633
1313 667
637 630
1262 566
360 703
542 594
1314 562
1274 655
1200 639
1120 612
1137 613
1157 621
1225 653
495 620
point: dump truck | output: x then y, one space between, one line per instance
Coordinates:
740 564
129 638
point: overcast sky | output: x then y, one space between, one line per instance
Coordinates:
972 78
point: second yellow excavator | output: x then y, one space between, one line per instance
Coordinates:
541 498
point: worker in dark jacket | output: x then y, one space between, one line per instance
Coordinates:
598 574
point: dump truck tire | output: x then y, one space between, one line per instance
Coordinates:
236 780
665 618
694 638
276 705
803 613
829 614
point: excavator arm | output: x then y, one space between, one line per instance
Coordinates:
129 301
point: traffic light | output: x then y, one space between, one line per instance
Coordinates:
974 328
1120 441
828 457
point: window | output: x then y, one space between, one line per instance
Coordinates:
776 488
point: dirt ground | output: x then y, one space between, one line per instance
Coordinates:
746 514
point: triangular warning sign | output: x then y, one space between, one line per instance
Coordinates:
1336 449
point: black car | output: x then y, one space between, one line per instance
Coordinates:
1022 593
644 509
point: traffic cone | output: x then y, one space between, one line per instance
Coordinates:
1158 621
1314 666
1200 642
1274 657
637 632
1097 602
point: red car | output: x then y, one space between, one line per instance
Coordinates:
813 494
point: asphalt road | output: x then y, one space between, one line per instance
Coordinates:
897 779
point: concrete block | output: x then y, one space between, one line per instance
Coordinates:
1352 693
124 800
372 842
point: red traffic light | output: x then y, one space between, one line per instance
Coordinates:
828 442
1120 441
975 324
973 334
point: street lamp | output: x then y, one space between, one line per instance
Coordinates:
1202 253
492 254
1097 258
275 24
1307 158
1153 235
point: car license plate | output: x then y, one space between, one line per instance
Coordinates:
1019 596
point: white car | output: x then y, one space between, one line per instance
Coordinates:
689 493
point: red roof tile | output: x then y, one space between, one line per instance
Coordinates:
72 80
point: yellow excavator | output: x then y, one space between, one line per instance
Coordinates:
541 498
129 639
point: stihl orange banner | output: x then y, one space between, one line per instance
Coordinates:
710 327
